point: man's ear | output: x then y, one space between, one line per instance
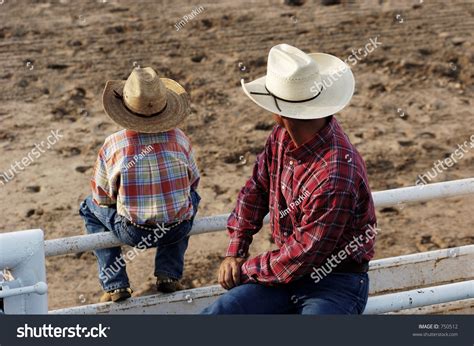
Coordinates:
278 119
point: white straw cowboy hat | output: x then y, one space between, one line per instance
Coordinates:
145 102
300 85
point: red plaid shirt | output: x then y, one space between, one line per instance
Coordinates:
319 201
148 176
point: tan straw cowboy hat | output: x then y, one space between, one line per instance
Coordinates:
302 86
145 102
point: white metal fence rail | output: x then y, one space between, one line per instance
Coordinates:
396 283
62 246
392 275
25 290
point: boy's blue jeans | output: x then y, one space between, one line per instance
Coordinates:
171 243
337 293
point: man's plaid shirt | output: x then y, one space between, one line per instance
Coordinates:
148 176
319 201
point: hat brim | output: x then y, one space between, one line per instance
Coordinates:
177 108
338 82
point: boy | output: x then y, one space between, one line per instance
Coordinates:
145 180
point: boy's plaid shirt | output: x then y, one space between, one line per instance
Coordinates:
148 176
319 201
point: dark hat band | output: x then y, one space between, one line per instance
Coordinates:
119 96
276 98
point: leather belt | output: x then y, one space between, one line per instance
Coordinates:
352 267
146 227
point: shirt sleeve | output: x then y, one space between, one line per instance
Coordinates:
103 192
325 217
252 206
194 176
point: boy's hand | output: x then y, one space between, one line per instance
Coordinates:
229 272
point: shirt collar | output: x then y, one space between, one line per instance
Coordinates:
308 148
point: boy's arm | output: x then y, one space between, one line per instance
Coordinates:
103 192
194 175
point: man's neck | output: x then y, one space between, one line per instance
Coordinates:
302 131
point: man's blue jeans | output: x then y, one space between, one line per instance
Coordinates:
337 293
171 243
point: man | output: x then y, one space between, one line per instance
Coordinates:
313 182
145 181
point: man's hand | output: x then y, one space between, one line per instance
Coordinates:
229 272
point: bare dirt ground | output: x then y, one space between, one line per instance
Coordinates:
412 107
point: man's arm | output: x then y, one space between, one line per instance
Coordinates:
102 192
251 208
326 216
246 219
